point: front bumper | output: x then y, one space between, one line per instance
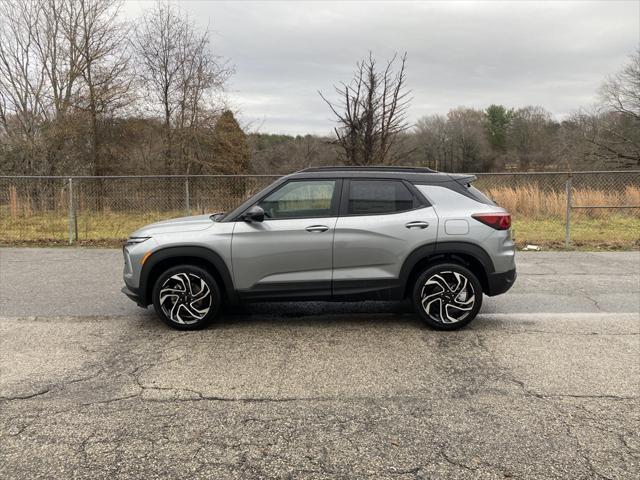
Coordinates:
498 283
133 294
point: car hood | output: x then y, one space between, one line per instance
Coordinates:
182 224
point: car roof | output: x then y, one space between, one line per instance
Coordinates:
379 168
411 174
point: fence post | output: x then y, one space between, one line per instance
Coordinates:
72 214
567 231
187 204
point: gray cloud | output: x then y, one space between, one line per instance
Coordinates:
553 54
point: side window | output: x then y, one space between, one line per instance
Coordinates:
300 199
368 197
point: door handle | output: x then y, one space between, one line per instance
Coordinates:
417 225
317 228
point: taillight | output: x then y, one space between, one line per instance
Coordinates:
499 221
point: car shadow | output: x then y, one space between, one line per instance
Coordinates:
319 313
304 309
306 313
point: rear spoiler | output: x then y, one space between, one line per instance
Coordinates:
463 178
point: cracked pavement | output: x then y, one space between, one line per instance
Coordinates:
544 384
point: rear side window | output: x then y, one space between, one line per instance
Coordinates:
479 196
369 197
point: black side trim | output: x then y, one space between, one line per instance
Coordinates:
472 249
375 289
202 253
444 248
287 291
132 293
412 260
343 291
500 282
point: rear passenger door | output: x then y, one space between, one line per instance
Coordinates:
381 221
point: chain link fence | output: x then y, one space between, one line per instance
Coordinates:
555 209
586 209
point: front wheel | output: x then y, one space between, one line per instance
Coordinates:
447 296
186 297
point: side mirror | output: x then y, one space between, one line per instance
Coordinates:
254 214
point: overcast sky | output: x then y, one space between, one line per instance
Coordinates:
549 53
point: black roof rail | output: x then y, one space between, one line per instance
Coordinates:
381 168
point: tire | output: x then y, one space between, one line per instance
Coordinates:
447 296
186 297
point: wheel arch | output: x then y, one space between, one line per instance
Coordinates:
469 255
160 260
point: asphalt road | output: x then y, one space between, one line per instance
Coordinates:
61 281
544 384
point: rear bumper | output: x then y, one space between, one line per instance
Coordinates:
498 283
133 294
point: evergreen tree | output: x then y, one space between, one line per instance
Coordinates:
498 119
231 150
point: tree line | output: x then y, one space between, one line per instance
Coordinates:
84 92
372 127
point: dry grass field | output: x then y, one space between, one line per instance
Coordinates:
533 202
538 218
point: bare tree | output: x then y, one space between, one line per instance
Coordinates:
157 41
272 154
531 134
22 80
55 26
620 93
198 112
433 146
100 41
468 142
38 74
179 70
372 112
57 23
610 131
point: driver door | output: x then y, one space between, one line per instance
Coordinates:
289 254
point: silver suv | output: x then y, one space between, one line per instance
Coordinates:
338 233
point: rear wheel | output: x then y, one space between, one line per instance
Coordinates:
447 296
186 297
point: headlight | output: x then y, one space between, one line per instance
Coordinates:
135 240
